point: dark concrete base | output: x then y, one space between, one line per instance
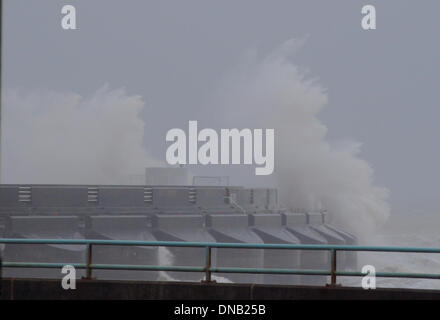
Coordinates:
37 289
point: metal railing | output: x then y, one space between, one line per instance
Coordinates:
208 269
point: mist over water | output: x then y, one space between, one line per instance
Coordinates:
272 92
65 138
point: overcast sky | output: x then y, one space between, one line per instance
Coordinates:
382 85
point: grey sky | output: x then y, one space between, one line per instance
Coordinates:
382 85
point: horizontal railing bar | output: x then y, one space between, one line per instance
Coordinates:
212 269
218 269
390 275
101 266
220 245
164 268
146 267
270 271
42 265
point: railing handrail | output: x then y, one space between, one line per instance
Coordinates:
208 268
220 245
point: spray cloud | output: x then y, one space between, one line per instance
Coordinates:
64 138
311 173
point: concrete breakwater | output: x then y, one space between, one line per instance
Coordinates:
164 213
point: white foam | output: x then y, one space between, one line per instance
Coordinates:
52 137
272 92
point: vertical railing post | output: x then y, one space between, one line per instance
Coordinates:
89 262
333 267
208 264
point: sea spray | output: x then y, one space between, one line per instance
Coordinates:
52 137
64 138
274 93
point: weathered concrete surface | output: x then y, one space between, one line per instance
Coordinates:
18 289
